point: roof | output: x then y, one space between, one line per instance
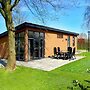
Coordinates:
26 24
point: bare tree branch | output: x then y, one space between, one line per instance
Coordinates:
40 8
29 7
18 16
51 4
32 11
87 17
14 4
2 12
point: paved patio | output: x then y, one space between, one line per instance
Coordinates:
47 64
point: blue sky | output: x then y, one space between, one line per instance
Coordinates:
69 19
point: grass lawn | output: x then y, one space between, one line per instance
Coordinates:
59 79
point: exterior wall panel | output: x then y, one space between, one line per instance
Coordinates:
52 41
4 47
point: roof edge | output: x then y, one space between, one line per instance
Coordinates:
27 24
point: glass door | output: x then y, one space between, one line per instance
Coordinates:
31 48
36 48
36 45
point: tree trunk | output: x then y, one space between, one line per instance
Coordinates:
11 63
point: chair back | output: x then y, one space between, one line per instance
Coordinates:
70 50
73 51
55 50
58 48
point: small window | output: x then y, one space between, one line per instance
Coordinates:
59 35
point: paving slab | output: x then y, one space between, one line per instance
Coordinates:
47 64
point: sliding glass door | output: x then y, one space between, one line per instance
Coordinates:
36 45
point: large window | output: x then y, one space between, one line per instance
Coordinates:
36 45
20 46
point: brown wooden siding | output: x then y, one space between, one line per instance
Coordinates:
52 41
4 47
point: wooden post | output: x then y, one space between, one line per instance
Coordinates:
26 46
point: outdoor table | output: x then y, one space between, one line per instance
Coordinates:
63 53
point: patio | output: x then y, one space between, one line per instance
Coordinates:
47 64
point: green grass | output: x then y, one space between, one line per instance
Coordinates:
33 79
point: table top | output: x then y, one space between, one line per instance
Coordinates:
64 51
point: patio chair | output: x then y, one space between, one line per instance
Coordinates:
58 52
60 55
73 53
58 48
55 53
68 49
68 55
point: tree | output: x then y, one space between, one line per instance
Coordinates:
6 8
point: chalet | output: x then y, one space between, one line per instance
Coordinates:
36 41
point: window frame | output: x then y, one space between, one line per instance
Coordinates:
59 35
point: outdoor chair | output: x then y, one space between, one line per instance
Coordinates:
69 49
68 55
73 54
58 49
60 54
55 53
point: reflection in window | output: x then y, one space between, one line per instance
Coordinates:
20 46
41 35
30 34
36 35
36 43
21 34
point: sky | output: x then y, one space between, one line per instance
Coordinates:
71 19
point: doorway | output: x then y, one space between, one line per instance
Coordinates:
36 46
